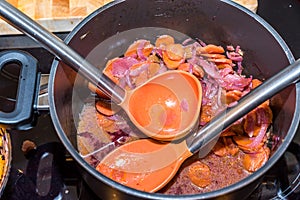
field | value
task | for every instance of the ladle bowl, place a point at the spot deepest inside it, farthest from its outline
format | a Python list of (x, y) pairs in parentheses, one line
[(167, 106)]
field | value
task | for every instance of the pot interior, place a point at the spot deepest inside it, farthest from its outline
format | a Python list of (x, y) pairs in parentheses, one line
[(107, 33)]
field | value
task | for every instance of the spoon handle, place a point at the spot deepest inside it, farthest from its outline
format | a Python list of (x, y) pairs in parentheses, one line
[(56, 46), (210, 132)]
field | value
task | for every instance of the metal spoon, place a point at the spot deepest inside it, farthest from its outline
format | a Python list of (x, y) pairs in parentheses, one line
[(148, 165), (157, 126)]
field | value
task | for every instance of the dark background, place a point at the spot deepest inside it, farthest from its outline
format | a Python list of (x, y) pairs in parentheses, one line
[(284, 16)]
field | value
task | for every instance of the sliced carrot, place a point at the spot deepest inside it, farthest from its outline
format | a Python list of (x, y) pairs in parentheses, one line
[(138, 65), (105, 108), (232, 96), (206, 113), (228, 132), (175, 51), (143, 75), (132, 49), (237, 128), (104, 122), (223, 65), (255, 83), (185, 67), (231, 148), (171, 64), (153, 58), (225, 147), (196, 69), (267, 111), (219, 149), (220, 60), (252, 162), (164, 40), (210, 49), (188, 51), (200, 174), (244, 143), (213, 55)]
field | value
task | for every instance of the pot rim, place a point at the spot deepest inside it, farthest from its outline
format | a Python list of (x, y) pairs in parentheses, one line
[(246, 181)]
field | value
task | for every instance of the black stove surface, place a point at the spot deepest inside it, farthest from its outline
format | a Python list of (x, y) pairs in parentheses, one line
[(48, 172)]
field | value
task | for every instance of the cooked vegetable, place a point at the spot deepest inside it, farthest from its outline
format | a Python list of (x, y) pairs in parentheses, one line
[(240, 150), (200, 174)]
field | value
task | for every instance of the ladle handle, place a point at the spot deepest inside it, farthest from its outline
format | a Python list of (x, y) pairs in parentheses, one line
[(56, 46), (266, 90)]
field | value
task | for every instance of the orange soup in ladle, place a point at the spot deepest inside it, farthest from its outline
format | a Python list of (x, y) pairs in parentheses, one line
[(167, 106)]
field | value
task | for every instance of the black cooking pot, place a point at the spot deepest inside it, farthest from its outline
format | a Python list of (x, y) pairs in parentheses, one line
[(107, 32)]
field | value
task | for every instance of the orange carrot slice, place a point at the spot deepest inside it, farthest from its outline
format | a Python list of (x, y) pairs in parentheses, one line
[(146, 49), (105, 123), (213, 55), (171, 64), (105, 108), (255, 83), (210, 49), (254, 161), (199, 173), (175, 51), (164, 40), (220, 60), (206, 113), (232, 96), (219, 149), (196, 70), (244, 143), (223, 65)]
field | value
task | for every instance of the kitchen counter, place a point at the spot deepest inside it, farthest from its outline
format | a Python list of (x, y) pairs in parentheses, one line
[(54, 15)]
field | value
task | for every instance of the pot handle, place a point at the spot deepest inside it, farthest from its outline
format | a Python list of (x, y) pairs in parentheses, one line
[(23, 116)]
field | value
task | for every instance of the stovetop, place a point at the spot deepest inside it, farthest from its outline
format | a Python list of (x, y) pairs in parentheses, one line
[(44, 170)]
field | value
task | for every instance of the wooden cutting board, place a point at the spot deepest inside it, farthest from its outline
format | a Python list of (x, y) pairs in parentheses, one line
[(64, 15), (51, 9), (55, 15)]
